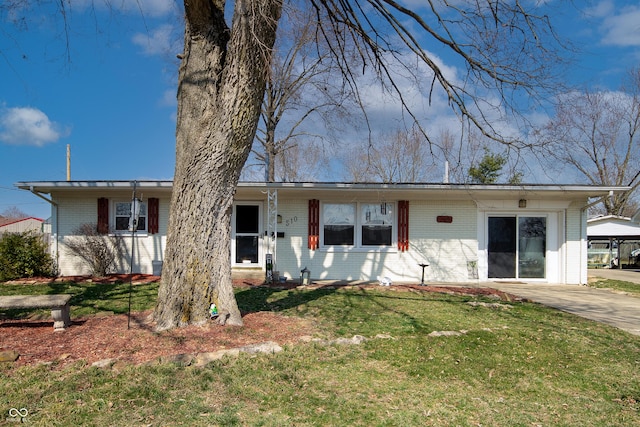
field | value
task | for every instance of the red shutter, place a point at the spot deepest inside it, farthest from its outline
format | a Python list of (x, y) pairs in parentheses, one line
[(403, 225), (314, 224), (103, 216), (153, 208)]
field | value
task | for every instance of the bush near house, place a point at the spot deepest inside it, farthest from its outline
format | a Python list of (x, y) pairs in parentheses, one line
[(24, 255), (101, 252)]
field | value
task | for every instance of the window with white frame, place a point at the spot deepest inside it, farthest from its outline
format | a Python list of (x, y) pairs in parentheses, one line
[(376, 221), (339, 224), (123, 215), (357, 224)]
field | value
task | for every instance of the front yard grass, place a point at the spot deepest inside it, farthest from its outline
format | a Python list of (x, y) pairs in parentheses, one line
[(519, 364), (88, 298), (630, 288)]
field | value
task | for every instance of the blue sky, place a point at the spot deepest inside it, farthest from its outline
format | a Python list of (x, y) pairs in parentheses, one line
[(111, 94)]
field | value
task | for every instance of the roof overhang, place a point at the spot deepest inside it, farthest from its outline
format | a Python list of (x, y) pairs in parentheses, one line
[(287, 190), (48, 187), (431, 191)]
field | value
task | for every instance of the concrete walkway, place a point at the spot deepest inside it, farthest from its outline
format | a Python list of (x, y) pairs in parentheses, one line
[(601, 305)]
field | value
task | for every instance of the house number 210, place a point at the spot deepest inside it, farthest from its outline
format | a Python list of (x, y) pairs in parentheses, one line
[(290, 221)]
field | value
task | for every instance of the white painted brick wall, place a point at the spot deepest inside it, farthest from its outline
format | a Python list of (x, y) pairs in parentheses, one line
[(450, 246), (447, 248), (73, 212)]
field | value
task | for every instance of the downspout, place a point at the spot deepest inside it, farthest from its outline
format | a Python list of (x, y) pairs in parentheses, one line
[(55, 206), (583, 244)]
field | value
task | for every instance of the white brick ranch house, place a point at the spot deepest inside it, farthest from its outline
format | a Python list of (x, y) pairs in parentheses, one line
[(465, 232)]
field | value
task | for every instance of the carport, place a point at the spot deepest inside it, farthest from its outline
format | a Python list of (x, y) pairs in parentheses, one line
[(612, 240)]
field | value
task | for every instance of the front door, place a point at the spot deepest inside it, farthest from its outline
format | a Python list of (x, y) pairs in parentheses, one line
[(247, 232), (517, 247)]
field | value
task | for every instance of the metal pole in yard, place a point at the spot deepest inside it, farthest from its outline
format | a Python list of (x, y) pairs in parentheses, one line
[(133, 227)]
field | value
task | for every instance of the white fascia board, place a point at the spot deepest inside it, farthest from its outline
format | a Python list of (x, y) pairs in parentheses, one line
[(49, 186), (433, 191), (321, 189)]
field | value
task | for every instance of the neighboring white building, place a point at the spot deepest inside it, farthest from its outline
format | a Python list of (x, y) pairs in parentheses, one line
[(21, 225), (611, 226), (465, 232), (613, 238)]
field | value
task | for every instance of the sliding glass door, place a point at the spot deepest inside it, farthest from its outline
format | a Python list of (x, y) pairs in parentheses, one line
[(517, 247), (532, 247)]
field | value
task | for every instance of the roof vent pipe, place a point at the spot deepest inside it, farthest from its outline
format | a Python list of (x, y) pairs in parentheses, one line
[(68, 162), (446, 172)]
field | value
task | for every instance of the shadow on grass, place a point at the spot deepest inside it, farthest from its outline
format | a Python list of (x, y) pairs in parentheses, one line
[(87, 298), (356, 304), (257, 298)]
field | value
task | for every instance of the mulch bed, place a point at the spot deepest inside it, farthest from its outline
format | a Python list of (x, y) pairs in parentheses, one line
[(133, 340)]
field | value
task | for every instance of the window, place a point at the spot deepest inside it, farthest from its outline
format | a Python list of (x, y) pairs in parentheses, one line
[(339, 224), (358, 224), (123, 215), (376, 220)]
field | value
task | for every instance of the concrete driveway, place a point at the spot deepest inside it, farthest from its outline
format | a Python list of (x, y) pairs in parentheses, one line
[(601, 305), (616, 274)]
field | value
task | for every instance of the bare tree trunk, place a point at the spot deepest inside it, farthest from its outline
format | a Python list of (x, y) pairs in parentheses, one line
[(221, 85)]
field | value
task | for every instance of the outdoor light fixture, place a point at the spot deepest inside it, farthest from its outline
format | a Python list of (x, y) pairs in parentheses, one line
[(522, 203), (305, 276)]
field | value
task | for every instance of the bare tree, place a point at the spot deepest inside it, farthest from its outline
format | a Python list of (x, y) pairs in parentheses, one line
[(221, 85), (403, 156), (13, 212), (303, 161), (597, 135), (301, 88), (454, 152), (406, 156)]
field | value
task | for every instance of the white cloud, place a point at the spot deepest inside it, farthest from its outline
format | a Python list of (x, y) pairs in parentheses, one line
[(28, 126), (160, 41), (623, 28), (601, 9)]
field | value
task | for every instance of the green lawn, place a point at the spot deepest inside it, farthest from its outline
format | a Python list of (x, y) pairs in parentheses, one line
[(526, 365), (88, 298), (630, 288)]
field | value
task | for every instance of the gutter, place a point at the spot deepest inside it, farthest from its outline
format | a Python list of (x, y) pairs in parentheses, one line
[(56, 253)]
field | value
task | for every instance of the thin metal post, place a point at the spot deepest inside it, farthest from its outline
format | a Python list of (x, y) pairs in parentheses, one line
[(133, 242), (272, 230)]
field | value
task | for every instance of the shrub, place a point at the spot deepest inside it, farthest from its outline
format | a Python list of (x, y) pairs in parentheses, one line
[(101, 251), (24, 255)]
